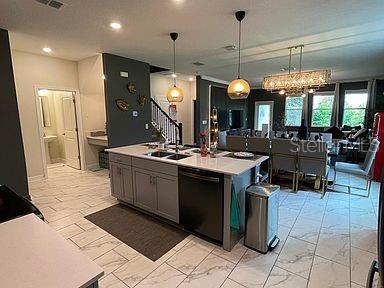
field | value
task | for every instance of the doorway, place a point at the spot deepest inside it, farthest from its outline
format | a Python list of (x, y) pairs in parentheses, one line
[(263, 114), (59, 128)]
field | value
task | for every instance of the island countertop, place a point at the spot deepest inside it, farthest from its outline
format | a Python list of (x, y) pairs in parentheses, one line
[(34, 255), (221, 163)]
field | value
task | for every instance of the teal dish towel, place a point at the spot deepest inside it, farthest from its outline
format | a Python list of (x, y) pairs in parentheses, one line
[(235, 209)]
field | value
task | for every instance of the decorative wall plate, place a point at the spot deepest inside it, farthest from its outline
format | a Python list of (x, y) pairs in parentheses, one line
[(131, 88), (122, 104), (142, 100)]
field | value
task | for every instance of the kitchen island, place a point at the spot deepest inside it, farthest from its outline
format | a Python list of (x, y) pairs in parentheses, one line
[(150, 180)]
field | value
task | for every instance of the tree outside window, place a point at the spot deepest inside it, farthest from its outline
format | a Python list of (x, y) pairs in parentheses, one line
[(293, 110), (355, 105), (322, 105)]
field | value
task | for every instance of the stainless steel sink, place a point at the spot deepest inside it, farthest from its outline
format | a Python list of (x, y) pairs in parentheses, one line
[(160, 154), (178, 156)]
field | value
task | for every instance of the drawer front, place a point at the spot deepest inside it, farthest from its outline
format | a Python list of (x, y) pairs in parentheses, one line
[(156, 166), (118, 158)]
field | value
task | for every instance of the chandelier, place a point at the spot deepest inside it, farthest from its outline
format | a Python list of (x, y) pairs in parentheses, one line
[(297, 83)]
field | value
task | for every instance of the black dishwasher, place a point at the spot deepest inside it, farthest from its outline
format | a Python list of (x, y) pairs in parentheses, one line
[(201, 202)]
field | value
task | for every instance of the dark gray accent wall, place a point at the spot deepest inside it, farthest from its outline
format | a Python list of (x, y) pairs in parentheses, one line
[(123, 128), (263, 95), (202, 104), (379, 105), (13, 172)]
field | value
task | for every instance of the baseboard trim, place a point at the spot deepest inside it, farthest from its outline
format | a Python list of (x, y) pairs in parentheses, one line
[(36, 178)]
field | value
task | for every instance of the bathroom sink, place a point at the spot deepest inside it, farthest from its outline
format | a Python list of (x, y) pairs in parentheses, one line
[(160, 154), (178, 156), (48, 139)]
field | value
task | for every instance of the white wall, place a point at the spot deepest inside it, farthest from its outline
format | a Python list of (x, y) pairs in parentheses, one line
[(91, 88), (159, 86), (30, 71), (33, 71)]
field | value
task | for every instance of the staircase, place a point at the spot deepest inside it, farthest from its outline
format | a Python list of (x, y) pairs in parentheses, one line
[(171, 130)]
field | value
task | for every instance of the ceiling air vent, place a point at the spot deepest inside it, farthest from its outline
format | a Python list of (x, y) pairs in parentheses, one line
[(197, 63), (55, 4), (230, 48), (52, 3)]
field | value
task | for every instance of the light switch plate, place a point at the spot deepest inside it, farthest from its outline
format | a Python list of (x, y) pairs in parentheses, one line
[(124, 74), (204, 122), (146, 126), (135, 113)]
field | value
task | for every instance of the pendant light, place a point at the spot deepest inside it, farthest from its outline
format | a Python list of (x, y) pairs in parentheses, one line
[(239, 88), (174, 94)]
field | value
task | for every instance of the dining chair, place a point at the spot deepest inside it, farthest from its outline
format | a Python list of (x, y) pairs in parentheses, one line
[(284, 157), (236, 143), (261, 146), (312, 158), (363, 170)]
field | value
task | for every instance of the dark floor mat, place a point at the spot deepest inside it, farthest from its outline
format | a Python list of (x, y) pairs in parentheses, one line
[(147, 235)]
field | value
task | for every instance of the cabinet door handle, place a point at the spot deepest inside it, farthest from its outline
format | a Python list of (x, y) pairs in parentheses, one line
[(150, 180)]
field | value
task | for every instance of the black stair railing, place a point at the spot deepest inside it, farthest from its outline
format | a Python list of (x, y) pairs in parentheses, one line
[(172, 131)]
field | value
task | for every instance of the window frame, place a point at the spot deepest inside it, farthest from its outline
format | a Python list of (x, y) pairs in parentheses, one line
[(322, 93), (285, 111), (357, 91), (257, 104)]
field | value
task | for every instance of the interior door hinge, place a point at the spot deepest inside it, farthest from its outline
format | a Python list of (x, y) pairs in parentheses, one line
[(78, 156)]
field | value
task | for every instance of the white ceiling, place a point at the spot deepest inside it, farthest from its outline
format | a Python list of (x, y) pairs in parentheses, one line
[(346, 36)]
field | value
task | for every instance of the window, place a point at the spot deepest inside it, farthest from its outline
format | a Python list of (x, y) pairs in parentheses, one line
[(322, 104), (293, 110), (355, 104)]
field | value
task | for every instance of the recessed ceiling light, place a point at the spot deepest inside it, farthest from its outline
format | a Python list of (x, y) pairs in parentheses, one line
[(47, 50), (190, 79), (174, 75), (115, 25)]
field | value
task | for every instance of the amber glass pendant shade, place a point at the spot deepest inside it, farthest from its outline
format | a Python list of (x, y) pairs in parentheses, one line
[(238, 89), (175, 94)]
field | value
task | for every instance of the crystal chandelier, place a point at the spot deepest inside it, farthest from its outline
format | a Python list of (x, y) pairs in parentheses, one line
[(296, 83)]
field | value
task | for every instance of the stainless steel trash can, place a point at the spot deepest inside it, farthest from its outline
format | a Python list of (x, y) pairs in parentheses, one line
[(261, 217)]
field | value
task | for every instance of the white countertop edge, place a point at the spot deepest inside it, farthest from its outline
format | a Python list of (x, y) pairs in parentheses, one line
[(249, 164)]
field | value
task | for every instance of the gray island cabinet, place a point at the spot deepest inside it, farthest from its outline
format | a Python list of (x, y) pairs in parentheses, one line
[(150, 183)]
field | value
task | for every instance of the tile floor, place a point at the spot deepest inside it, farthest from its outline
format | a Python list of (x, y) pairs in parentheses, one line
[(326, 242)]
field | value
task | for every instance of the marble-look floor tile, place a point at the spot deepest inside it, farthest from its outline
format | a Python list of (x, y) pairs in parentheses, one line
[(100, 246), (210, 273), (190, 256), (282, 234), (253, 269), (367, 219), (360, 262), (280, 278), (336, 223), (66, 221), (163, 277), (287, 217), (126, 251), (88, 236), (306, 229), (296, 257), (138, 268), (70, 231), (110, 261), (234, 255), (334, 246), (228, 283), (85, 224), (111, 281), (183, 242), (364, 238), (328, 274)]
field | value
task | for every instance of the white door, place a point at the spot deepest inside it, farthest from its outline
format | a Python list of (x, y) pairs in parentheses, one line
[(263, 114), (72, 155)]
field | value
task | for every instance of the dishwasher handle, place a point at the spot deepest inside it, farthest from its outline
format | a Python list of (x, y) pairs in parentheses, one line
[(200, 177)]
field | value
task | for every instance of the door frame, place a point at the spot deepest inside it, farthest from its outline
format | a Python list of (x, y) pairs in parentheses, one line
[(80, 133), (255, 120)]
